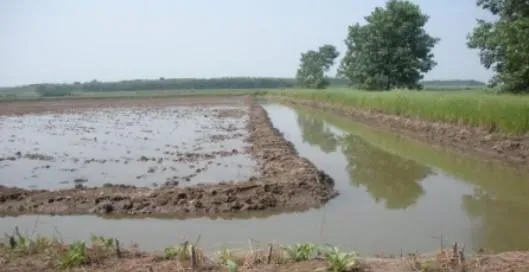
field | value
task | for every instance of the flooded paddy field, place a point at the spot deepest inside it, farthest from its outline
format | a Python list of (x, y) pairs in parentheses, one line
[(395, 195), (135, 146), (151, 160)]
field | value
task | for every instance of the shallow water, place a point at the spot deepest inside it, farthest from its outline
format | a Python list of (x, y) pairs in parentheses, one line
[(120, 145), (396, 195)]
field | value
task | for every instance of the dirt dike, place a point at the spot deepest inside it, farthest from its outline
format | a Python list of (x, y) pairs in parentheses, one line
[(477, 141), (285, 182)]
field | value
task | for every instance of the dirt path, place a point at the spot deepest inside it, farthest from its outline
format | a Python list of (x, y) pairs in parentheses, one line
[(286, 182), (471, 140)]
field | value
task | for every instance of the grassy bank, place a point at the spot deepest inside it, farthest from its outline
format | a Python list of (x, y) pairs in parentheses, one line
[(22, 253), (506, 113)]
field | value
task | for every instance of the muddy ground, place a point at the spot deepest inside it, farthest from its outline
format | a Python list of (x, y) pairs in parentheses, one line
[(468, 140), (284, 182), (142, 146), (68, 105)]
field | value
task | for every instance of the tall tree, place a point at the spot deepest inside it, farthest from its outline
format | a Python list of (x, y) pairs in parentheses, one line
[(503, 44), (314, 64), (392, 50)]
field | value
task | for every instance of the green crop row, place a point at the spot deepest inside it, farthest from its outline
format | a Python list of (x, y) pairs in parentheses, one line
[(502, 112)]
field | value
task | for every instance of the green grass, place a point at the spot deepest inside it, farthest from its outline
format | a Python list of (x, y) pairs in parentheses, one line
[(507, 113)]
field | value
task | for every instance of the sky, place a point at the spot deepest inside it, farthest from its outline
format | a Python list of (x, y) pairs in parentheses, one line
[(65, 41)]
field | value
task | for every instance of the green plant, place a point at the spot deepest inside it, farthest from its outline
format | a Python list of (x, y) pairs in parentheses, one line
[(232, 266), (227, 259), (107, 243), (225, 255), (300, 252), (75, 256), (183, 252), (21, 244), (340, 261)]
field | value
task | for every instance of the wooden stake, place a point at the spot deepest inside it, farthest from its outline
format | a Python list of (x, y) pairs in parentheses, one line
[(118, 251), (269, 258), (193, 257)]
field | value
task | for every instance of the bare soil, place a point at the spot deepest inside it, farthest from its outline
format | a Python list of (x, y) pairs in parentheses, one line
[(469, 140), (286, 182)]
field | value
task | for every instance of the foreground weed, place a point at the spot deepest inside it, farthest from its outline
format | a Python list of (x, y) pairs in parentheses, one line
[(186, 252), (101, 241), (232, 266), (340, 261), (173, 252), (227, 259), (25, 245), (225, 255), (300, 252), (75, 256)]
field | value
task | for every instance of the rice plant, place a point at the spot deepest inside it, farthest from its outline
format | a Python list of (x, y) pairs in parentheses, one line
[(502, 112)]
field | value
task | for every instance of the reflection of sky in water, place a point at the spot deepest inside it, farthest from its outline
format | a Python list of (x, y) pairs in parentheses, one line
[(105, 145), (388, 202)]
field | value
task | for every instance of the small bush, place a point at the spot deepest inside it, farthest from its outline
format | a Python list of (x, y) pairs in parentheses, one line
[(53, 90)]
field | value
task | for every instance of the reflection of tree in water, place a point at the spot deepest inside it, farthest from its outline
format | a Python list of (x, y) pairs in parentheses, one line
[(316, 133), (504, 225), (386, 176)]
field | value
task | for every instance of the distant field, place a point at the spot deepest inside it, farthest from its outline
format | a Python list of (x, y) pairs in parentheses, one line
[(32, 95), (508, 113)]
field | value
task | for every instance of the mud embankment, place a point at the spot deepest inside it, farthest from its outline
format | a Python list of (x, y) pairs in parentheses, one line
[(470, 140), (286, 182), (107, 254)]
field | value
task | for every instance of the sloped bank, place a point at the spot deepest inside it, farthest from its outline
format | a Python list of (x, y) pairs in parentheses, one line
[(106, 254), (286, 182), (471, 140)]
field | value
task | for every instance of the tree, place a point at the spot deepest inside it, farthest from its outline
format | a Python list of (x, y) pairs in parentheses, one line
[(503, 44), (314, 64), (392, 50), (51, 90)]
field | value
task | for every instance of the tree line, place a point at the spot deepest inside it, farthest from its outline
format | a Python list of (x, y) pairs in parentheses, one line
[(51, 89), (393, 50), (164, 84)]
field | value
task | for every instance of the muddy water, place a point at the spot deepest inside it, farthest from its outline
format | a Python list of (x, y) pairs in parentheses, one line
[(139, 146), (396, 195)]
